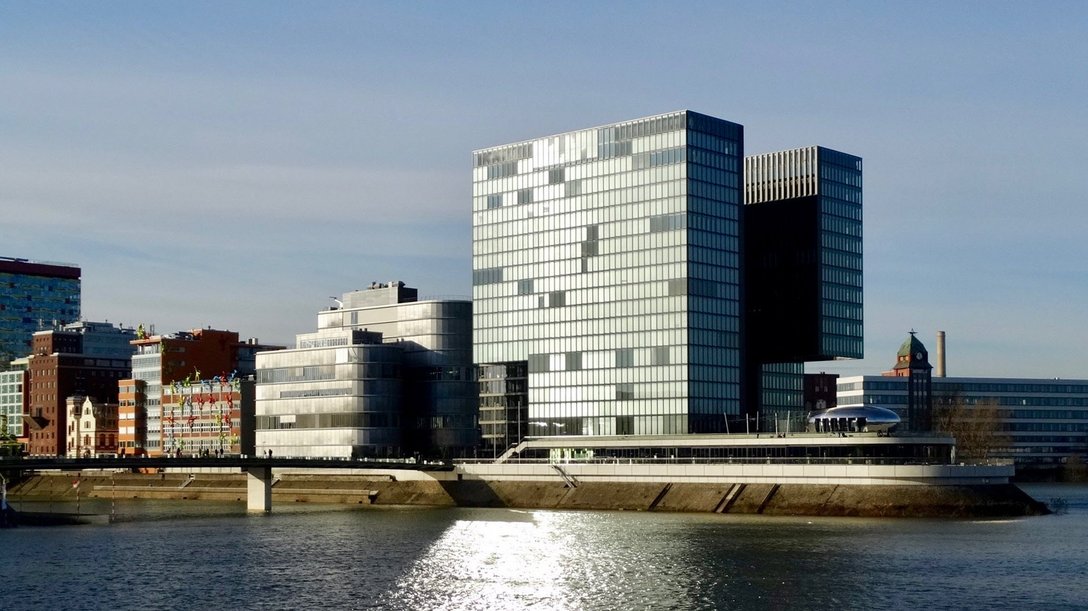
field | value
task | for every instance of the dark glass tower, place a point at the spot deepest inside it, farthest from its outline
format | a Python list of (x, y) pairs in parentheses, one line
[(803, 270)]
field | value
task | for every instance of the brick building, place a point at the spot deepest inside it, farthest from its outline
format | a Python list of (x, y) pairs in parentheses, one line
[(57, 369), (162, 360)]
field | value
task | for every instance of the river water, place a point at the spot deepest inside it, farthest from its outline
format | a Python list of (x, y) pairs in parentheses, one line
[(188, 555)]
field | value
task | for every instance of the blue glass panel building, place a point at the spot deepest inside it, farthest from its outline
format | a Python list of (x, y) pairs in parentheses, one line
[(33, 296)]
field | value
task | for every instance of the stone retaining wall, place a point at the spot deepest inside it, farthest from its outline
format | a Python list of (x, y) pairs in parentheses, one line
[(994, 500)]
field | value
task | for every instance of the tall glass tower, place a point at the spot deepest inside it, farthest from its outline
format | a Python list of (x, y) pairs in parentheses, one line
[(607, 271), (803, 264)]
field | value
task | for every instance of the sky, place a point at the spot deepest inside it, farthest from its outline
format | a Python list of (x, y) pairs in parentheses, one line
[(235, 164)]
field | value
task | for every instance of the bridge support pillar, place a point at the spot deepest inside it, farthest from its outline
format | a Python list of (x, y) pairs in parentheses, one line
[(259, 488)]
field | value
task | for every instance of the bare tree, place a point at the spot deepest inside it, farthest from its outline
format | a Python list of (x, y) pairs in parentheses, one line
[(975, 423)]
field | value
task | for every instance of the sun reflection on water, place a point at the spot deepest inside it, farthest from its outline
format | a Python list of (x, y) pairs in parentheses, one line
[(541, 559)]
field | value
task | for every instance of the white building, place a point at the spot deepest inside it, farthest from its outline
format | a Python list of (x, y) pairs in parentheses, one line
[(384, 375), (92, 428)]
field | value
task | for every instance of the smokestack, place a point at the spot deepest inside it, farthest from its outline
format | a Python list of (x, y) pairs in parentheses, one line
[(940, 354)]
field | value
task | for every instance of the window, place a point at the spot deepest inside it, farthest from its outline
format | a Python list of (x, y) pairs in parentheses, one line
[(625, 392)]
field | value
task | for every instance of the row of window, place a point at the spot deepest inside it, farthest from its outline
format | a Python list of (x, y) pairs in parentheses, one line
[(558, 183), (847, 277), (954, 388), (835, 173), (519, 236), (607, 295), (712, 375), (329, 421), (841, 225), (616, 203), (593, 270)]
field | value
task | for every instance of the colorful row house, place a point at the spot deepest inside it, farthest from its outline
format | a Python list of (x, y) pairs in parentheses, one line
[(208, 416)]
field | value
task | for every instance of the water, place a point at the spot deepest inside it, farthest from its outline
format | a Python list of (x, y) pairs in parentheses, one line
[(175, 555)]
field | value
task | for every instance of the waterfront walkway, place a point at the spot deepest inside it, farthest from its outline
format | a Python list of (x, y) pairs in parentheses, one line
[(258, 470)]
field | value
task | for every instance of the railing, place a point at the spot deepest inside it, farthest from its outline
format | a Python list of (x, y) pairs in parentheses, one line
[(813, 460), (298, 462)]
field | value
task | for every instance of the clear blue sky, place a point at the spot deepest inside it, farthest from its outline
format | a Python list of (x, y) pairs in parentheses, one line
[(233, 164)]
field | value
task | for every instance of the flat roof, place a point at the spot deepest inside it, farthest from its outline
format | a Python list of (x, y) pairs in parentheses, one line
[(48, 269), (729, 441)]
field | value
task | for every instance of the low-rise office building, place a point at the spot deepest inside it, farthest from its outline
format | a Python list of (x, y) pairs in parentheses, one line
[(1039, 421), (1034, 422), (385, 375)]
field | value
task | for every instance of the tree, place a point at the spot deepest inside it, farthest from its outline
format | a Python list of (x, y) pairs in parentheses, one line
[(976, 423), (9, 446)]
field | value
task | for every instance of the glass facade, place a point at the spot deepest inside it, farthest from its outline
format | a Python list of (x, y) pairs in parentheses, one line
[(608, 262), (147, 368), (34, 296), (12, 397), (338, 401), (504, 405), (840, 255), (343, 392), (803, 262)]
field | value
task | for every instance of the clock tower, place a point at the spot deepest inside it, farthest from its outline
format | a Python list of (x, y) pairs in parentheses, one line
[(912, 362)]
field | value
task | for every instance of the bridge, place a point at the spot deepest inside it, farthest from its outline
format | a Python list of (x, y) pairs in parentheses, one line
[(259, 470)]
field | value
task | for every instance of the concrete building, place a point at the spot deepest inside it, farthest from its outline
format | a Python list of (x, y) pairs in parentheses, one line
[(34, 295), (58, 368), (609, 274), (185, 356), (92, 428), (384, 375)]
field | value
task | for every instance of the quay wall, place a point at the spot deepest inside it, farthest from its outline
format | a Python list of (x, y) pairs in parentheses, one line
[(983, 494)]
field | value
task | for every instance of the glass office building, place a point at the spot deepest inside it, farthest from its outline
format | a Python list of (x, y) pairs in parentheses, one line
[(608, 262), (803, 270), (384, 375), (12, 402), (33, 296)]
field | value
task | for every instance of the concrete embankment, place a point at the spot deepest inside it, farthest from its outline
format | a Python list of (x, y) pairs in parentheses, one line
[(960, 501)]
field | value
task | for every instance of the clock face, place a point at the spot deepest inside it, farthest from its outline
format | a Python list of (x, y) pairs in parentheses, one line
[(918, 356)]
